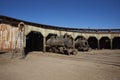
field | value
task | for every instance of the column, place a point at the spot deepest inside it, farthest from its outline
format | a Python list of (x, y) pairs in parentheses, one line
[(111, 43), (73, 43), (44, 44), (98, 44)]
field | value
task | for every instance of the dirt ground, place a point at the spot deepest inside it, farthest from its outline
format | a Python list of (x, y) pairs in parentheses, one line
[(92, 65)]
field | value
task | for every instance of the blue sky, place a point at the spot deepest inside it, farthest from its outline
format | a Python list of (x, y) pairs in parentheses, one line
[(65, 13)]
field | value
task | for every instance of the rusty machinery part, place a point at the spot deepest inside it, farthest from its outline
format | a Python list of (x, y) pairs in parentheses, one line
[(82, 44)]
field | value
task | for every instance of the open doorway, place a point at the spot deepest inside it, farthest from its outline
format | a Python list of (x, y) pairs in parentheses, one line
[(104, 43), (93, 42), (116, 43), (34, 41)]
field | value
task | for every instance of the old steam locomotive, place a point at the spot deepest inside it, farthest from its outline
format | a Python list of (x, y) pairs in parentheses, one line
[(64, 44), (61, 44)]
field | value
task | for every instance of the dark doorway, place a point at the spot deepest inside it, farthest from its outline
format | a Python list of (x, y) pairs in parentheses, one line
[(34, 41), (116, 43), (93, 42), (104, 43)]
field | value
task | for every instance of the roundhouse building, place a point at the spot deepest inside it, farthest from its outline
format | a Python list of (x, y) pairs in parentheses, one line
[(34, 35)]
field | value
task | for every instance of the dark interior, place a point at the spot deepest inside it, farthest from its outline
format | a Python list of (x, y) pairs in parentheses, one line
[(34, 41), (104, 43), (116, 43), (93, 42)]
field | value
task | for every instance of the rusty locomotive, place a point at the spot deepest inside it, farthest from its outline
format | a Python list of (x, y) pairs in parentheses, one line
[(64, 44), (61, 44)]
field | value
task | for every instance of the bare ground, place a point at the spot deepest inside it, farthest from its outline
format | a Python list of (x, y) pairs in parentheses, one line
[(92, 65)]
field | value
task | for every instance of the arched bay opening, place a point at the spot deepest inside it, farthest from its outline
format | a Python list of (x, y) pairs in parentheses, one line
[(79, 37), (116, 43), (49, 36), (81, 43), (93, 42), (50, 40), (104, 43), (34, 41)]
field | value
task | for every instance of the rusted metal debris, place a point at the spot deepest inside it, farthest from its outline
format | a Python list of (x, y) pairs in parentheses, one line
[(7, 37)]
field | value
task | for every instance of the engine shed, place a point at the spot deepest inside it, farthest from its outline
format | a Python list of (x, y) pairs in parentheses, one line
[(35, 35)]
